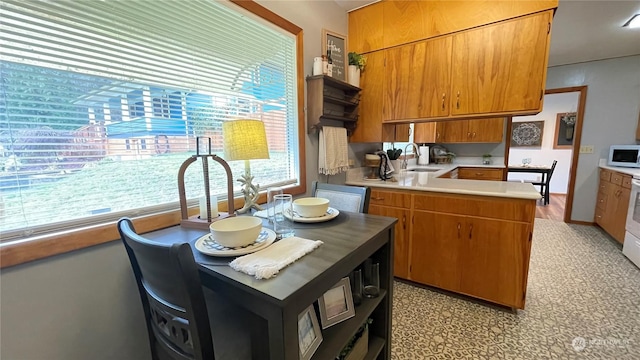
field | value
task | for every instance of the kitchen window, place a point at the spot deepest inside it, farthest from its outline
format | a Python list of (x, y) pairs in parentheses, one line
[(85, 84)]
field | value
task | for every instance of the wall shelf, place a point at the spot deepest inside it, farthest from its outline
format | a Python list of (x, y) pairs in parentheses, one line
[(331, 101)]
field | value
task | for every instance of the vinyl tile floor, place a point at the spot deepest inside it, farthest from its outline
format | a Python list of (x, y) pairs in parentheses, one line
[(583, 302)]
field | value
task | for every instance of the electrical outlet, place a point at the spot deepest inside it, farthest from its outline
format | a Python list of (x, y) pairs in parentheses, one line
[(352, 162), (586, 149)]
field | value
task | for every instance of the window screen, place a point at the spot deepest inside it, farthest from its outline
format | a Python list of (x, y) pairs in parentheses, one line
[(102, 101)]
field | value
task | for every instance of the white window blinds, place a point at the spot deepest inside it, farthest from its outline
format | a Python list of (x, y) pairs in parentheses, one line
[(101, 101)]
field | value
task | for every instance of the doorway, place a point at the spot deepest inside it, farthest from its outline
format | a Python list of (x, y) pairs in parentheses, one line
[(560, 125)]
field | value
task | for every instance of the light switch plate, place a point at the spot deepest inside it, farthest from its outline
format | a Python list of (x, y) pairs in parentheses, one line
[(586, 149)]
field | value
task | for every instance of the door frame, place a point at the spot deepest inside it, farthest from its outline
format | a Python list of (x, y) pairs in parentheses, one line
[(575, 148)]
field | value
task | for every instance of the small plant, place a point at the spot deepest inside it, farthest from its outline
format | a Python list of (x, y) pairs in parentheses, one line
[(394, 154), (358, 60), (486, 155)]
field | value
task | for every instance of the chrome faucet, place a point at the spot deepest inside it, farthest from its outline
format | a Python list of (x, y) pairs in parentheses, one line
[(416, 152)]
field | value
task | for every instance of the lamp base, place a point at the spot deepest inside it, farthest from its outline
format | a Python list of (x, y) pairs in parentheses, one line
[(195, 222), (251, 194)]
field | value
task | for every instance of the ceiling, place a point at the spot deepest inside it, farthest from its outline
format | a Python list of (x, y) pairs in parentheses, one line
[(583, 30)]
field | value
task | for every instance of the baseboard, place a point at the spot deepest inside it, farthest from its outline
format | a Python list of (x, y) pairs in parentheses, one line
[(590, 223)]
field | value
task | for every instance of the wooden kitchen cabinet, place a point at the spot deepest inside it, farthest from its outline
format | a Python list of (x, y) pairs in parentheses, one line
[(365, 29), (460, 131), (477, 173), (418, 80), (471, 245), (501, 68), (397, 205), (370, 126), (474, 245), (612, 203)]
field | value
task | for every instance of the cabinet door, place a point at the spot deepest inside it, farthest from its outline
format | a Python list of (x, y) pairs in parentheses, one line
[(486, 130), (369, 125), (419, 80), (402, 132), (401, 240), (454, 131), (501, 67), (365, 29), (435, 241), (615, 216), (424, 133), (490, 247)]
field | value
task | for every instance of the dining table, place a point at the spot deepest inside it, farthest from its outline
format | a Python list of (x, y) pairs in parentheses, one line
[(349, 240), (544, 170)]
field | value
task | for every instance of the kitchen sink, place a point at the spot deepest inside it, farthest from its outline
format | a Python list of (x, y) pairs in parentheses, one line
[(424, 170)]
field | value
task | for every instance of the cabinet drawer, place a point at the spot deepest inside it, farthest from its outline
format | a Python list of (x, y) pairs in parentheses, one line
[(605, 175), (480, 174), (390, 198), (616, 178), (626, 181), (487, 207)]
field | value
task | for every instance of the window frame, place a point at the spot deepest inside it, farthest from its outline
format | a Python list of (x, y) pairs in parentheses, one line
[(43, 246)]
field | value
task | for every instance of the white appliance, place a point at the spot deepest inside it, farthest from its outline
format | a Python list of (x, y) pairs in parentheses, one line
[(624, 155), (631, 246)]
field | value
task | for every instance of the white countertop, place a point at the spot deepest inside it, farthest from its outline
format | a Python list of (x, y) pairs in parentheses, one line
[(429, 181), (635, 172)]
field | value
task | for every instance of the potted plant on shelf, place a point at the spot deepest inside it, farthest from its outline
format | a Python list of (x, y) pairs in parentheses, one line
[(357, 63), (486, 159)]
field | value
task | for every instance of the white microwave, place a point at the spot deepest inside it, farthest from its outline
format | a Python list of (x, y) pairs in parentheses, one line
[(624, 155)]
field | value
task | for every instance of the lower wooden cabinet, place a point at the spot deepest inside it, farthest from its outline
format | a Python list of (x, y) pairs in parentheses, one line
[(612, 203), (480, 173), (395, 204), (473, 245)]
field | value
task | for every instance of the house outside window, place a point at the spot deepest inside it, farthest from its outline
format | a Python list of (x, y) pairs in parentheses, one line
[(76, 110)]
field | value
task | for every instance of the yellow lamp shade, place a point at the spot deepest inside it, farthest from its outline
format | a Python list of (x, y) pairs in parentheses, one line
[(244, 140)]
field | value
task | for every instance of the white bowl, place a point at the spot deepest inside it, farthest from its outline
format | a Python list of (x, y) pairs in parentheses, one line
[(236, 231), (311, 206)]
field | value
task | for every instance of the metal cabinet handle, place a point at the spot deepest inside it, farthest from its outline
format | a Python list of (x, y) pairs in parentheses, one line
[(474, 134), (458, 100), (404, 221), (437, 135), (468, 134), (459, 226), (470, 230), (377, 198), (443, 97), (478, 174)]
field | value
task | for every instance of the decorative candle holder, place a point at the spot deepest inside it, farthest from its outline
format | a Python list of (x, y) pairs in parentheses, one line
[(195, 221)]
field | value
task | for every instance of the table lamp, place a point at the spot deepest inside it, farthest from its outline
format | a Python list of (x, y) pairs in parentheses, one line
[(246, 140)]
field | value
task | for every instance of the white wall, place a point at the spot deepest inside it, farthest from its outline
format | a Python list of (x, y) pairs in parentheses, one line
[(545, 154), (84, 305), (611, 117)]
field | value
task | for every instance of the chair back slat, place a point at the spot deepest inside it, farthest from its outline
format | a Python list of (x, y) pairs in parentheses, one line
[(343, 197), (171, 294)]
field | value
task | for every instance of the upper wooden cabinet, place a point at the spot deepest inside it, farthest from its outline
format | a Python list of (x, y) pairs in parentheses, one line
[(370, 127), (395, 22), (460, 131), (501, 68), (418, 80), (365, 29)]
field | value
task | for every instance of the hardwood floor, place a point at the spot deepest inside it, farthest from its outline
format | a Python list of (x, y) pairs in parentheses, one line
[(554, 210)]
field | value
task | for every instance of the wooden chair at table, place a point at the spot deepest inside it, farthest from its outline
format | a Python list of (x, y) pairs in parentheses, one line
[(343, 197), (172, 297), (544, 185)]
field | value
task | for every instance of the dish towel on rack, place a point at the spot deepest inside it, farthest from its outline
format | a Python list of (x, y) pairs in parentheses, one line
[(333, 153), (265, 264)]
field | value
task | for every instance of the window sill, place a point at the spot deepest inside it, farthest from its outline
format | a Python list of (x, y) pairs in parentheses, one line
[(30, 249)]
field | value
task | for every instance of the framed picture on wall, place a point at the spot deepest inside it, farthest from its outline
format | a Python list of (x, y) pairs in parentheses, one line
[(338, 45), (565, 126), (527, 133)]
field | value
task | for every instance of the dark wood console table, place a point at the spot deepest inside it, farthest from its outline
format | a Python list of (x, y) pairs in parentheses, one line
[(349, 240)]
